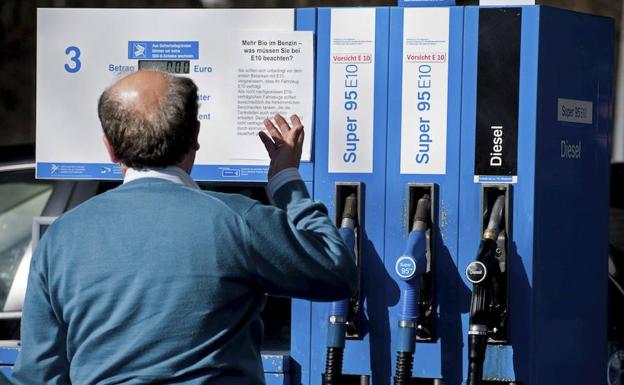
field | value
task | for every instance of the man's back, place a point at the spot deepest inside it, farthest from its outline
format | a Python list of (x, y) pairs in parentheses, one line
[(154, 282)]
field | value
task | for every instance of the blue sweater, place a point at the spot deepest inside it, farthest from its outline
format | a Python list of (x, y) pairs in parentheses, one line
[(154, 282)]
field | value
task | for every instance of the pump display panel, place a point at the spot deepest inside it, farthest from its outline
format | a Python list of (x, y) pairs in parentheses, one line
[(169, 66), (248, 64)]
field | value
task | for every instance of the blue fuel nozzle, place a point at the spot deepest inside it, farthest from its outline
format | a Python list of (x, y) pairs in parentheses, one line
[(410, 267), (339, 310)]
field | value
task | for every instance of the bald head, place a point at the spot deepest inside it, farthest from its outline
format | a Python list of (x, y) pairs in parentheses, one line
[(150, 118), (142, 91)]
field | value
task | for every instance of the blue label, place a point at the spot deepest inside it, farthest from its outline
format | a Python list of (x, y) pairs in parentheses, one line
[(8, 355), (163, 50), (111, 171), (78, 171), (426, 3), (275, 363), (405, 267)]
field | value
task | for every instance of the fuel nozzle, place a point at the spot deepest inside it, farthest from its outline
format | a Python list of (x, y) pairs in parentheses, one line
[(339, 310), (410, 267), (486, 276), (422, 216), (349, 213)]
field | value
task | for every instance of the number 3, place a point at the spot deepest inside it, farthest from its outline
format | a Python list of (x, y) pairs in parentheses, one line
[(75, 59)]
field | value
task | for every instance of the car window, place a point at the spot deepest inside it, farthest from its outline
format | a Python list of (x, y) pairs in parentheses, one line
[(21, 199)]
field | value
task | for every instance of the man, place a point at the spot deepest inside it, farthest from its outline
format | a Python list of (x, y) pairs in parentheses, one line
[(158, 282)]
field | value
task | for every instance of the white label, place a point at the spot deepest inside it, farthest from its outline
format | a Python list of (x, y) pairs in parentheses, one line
[(574, 111), (495, 179), (425, 90), (277, 77), (351, 90), (507, 2), (248, 65)]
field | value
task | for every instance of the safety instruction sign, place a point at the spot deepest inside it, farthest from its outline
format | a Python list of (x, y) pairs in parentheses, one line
[(248, 64), (352, 90), (425, 90)]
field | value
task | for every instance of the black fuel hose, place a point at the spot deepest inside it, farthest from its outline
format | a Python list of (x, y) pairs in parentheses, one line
[(481, 273)]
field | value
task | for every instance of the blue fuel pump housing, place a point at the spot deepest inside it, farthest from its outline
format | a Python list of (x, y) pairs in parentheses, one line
[(525, 69)]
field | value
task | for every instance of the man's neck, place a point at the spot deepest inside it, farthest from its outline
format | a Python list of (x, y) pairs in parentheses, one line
[(172, 173), (123, 168)]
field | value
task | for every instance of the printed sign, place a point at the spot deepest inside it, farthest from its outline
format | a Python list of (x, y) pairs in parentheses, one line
[(247, 63), (351, 90), (496, 142), (425, 3), (425, 90), (163, 50), (507, 2)]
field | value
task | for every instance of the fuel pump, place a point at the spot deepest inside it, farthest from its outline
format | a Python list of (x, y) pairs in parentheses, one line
[(410, 268), (488, 305), (339, 311)]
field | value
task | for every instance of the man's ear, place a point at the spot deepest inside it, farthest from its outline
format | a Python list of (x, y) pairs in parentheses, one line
[(109, 149), (195, 143)]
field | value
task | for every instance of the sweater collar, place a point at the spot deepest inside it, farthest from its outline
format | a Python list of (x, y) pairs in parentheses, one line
[(171, 173)]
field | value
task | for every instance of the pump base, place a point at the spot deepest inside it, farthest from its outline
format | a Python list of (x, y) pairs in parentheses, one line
[(348, 379)]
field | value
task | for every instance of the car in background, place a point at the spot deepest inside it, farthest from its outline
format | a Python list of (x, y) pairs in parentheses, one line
[(23, 198)]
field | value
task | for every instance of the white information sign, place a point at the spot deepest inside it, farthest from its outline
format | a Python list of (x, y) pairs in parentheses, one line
[(352, 90), (507, 2), (248, 64), (425, 90)]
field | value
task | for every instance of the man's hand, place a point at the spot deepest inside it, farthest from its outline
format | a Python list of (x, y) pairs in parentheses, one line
[(284, 144)]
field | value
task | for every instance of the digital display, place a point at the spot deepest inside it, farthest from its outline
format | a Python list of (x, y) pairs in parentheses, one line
[(170, 66)]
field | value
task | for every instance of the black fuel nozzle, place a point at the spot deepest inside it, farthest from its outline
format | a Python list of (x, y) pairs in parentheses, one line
[(486, 276)]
